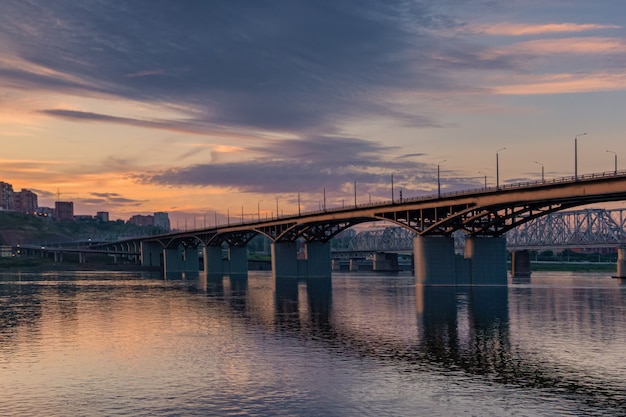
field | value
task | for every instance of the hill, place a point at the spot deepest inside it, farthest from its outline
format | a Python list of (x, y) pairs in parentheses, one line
[(19, 228)]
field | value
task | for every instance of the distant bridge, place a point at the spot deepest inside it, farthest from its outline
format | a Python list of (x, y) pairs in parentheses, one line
[(588, 228)]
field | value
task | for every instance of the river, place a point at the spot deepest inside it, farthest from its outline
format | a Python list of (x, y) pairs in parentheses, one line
[(367, 344)]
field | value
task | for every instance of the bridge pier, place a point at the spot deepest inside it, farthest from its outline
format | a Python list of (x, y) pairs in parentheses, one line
[(213, 264), (284, 259), (181, 259), (484, 262), (318, 259), (434, 260), (621, 262), (237, 260), (520, 263), (384, 261), (151, 253), (487, 257), (336, 265), (354, 264)]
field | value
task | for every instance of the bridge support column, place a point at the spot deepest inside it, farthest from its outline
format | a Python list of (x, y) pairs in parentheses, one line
[(520, 263), (434, 260), (487, 257), (191, 259), (318, 259), (621, 262), (173, 260), (213, 260), (385, 261), (151, 253), (354, 264), (284, 259), (238, 259), (336, 265)]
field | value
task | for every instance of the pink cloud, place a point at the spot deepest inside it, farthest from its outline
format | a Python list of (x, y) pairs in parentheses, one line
[(518, 29)]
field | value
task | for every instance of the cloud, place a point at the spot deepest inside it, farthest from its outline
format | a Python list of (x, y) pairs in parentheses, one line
[(297, 66), (310, 165), (521, 29)]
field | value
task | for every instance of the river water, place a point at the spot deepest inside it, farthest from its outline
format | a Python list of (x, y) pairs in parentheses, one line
[(128, 344)]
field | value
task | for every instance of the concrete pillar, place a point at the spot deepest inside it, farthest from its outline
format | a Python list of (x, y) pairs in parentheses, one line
[(212, 260), (520, 263), (151, 253), (385, 261), (173, 260), (284, 259), (621, 262), (336, 265), (81, 257), (354, 264), (434, 260), (487, 257), (238, 258), (318, 259), (191, 259)]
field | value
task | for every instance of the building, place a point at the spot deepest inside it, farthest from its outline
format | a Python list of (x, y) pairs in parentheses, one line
[(25, 202), (6, 196), (103, 216), (141, 220), (162, 220), (64, 211)]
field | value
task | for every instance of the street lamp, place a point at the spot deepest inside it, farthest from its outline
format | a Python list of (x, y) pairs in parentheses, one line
[(354, 193), (480, 172), (614, 153), (498, 168), (542, 177), (439, 179), (576, 155)]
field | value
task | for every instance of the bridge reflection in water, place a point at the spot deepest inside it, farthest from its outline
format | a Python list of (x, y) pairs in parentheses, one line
[(465, 329)]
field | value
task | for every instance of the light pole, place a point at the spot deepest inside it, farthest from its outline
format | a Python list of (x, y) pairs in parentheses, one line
[(576, 155), (354, 193), (542, 177), (485, 178), (614, 153), (298, 204), (439, 179), (498, 168)]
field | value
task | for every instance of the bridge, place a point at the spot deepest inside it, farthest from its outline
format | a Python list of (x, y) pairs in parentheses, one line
[(584, 228), (483, 215)]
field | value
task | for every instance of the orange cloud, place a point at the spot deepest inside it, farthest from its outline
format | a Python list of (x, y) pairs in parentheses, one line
[(565, 83), (578, 45), (518, 29)]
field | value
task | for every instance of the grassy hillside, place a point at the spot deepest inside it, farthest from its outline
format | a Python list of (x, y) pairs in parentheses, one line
[(19, 228)]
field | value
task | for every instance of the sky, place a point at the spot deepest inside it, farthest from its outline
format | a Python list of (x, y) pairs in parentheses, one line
[(204, 109)]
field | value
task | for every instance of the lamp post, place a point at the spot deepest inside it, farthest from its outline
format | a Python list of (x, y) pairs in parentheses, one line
[(615, 154), (576, 155), (542, 177), (298, 204), (354, 193), (498, 168), (485, 178), (439, 179)]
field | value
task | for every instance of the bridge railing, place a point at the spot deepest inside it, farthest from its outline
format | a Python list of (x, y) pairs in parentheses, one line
[(435, 196)]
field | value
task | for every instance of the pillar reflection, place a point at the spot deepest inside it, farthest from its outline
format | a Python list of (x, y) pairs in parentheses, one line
[(467, 326)]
